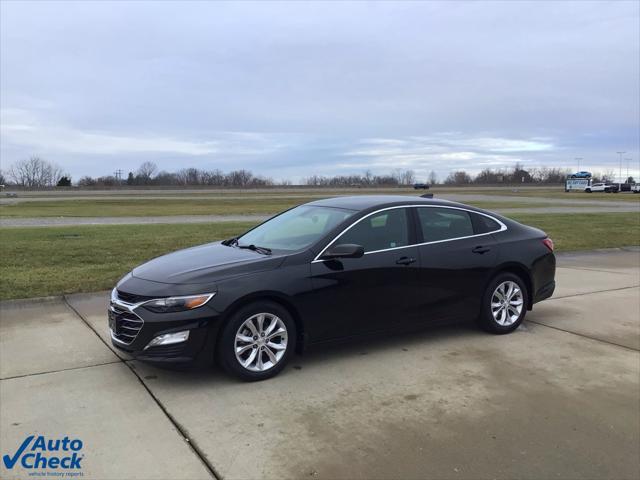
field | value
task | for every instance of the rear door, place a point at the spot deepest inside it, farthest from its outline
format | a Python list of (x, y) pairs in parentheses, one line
[(456, 259), (375, 292)]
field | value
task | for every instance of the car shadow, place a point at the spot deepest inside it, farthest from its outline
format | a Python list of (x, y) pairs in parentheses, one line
[(195, 374)]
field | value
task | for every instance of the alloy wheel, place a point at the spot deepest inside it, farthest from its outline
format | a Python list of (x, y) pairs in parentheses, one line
[(507, 302), (261, 342)]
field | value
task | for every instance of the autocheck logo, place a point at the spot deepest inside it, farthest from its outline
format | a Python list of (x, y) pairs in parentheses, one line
[(40, 453)]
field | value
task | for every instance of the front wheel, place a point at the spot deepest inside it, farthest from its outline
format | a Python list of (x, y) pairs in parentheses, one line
[(504, 304), (257, 341)]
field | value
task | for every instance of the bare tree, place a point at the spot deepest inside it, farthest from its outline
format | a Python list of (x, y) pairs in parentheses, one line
[(146, 172), (408, 177), (433, 178), (404, 177), (608, 176), (458, 178), (239, 178), (35, 172), (213, 177), (190, 176)]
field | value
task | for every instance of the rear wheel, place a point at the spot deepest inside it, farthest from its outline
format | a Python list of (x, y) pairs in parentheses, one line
[(257, 341), (504, 304)]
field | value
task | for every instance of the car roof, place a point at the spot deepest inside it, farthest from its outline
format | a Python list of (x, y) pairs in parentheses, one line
[(364, 202)]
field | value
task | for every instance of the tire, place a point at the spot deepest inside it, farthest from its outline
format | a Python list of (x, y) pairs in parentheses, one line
[(588, 190), (503, 323), (237, 334)]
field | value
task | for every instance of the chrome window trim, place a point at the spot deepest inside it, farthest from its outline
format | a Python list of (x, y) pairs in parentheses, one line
[(503, 227)]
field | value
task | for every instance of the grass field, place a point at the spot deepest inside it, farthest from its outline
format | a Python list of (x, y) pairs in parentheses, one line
[(132, 207), (52, 261), (150, 207), (541, 192)]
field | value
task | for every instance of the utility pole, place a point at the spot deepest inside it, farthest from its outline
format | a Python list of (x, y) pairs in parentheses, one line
[(578, 160), (620, 169), (118, 175), (628, 160)]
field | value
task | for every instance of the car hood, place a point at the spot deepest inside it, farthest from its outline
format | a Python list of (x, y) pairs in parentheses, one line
[(205, 264)]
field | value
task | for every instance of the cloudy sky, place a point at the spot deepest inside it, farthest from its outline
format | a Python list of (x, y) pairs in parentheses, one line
[(294, 89)]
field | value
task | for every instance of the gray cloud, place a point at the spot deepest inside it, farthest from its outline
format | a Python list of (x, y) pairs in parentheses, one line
[(293, 89)]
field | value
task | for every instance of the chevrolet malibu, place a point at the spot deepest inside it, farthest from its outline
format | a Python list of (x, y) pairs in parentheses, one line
[(329, 270)]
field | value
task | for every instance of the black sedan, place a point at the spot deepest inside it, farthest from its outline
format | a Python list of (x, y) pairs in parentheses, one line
[(328, 270)]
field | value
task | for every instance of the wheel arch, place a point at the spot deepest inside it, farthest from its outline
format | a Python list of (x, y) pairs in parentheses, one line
[(522, 272), (270, 296)]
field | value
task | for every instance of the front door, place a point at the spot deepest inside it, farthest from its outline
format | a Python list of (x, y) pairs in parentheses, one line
[(373, 293)]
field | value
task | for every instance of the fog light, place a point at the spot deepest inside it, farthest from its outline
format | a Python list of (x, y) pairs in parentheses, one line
[(169, 339)]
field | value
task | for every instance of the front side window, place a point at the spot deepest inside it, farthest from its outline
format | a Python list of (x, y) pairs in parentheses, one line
[(444, 223), (380, 231), (296, 229)]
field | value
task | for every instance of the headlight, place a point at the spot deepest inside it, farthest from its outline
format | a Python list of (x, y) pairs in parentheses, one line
[(178, 304)]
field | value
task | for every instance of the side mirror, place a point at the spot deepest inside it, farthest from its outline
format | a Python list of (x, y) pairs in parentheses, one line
[(344, 250)]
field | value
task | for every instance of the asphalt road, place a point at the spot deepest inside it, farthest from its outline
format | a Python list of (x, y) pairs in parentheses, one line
[(558, 398)]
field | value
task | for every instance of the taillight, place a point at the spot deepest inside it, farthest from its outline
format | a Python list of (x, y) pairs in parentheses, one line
[(548, 243)]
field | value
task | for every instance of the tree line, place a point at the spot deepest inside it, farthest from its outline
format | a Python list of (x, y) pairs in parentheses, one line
[(516, 174), (36, 172), (397, 178), (148, 175)]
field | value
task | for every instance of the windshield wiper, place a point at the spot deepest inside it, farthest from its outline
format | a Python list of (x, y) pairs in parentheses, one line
[(229, 242), (263, 250)]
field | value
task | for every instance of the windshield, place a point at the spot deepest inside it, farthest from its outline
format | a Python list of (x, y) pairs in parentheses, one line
[(295, 229)]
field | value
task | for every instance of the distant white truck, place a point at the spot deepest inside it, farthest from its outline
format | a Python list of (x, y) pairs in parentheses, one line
[(596, 187), (602, 187), (635, 188)]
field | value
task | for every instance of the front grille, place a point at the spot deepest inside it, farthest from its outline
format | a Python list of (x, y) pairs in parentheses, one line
[(124, 324), (132, 298)]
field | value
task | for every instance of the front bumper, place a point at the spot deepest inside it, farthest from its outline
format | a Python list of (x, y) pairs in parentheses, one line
[(133, 327)]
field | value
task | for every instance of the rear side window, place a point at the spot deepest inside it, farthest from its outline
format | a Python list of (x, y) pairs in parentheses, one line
[(484, 224), (380, 231), (444, 223)]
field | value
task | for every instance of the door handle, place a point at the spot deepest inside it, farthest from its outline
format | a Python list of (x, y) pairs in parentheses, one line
[(405, 261), (480, 249)]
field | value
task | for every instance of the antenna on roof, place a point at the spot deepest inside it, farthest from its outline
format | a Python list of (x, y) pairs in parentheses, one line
[(427, 195)]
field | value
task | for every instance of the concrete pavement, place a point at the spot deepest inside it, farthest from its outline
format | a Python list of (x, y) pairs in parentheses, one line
[(558, 398)]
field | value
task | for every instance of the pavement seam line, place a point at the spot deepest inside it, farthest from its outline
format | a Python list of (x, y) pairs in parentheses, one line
[(192, 445), (585, 336), (596, 270), (590, 293), (57, 371)]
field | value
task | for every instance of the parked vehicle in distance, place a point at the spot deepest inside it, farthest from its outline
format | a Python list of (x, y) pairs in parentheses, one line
[(602, 187), (596, 187), (580, 175), (635, 188), (328, 270), (420, 186)]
